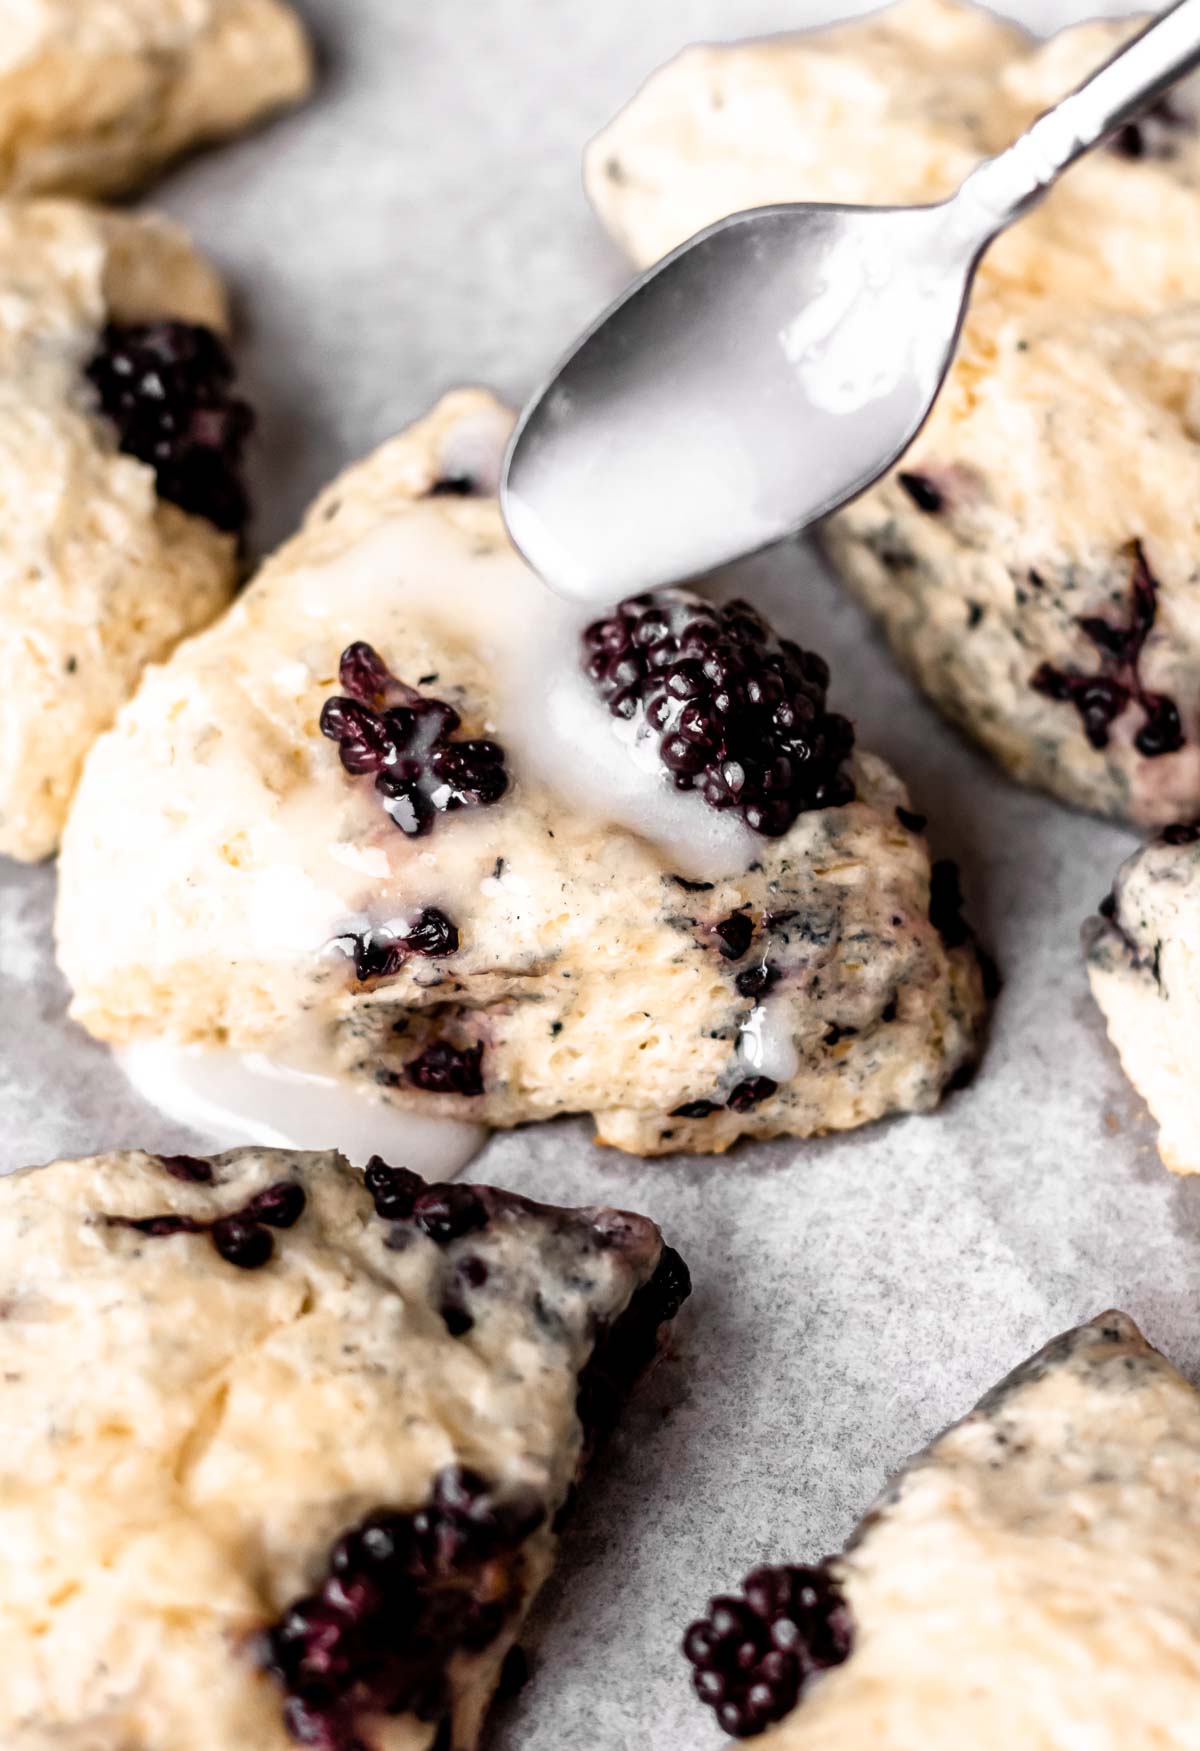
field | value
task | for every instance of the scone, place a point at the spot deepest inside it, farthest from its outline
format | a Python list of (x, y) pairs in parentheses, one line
[(285, 1445), (1032, 1579), (1143, 960), (381, 822), (96, 95), (1033, 558), (120, 497)]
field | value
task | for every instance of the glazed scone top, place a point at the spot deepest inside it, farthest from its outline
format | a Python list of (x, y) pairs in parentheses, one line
[(588, 966), (185, 1440), (97, 94), (98, 575), (1033, 1579)]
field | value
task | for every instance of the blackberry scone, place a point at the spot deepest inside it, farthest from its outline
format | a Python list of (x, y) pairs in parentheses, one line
[(120, 445), (404, 818), (1143, 960), (96, 95), (285, 1444), (1033, 558), (1031, 1579)]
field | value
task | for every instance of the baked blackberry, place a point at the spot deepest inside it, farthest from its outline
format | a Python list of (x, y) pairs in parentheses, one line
[(752, 1656), (243, 1237), (403, 1593), (380, 953), (407, 742), (167, 388), (1101, 699), (739, 714)]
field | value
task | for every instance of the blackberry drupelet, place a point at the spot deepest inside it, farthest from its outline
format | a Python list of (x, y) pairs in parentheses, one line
[(739, 714), (406, 741), (753, 1656), (166, 387), (625, 1349)]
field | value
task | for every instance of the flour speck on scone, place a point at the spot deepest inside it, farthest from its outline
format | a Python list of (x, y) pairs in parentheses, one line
[(121, 442), (293, 1442), (1032, 1578), (1032, 559), (479, 855)]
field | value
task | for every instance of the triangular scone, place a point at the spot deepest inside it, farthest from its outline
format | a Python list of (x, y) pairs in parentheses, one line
[(96, 95), (102, 569), (1033, 569), (284, 1446), (1143, 960), (227, 881), (1032, 1579)]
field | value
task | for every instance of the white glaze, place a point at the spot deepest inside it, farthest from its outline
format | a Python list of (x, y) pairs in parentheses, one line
[(765, 1043), (234, 1098)]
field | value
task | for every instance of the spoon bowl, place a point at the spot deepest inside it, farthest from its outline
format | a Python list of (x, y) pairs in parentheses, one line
[(773, 366)]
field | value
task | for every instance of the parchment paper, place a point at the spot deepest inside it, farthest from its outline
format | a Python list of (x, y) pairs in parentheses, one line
[(421, 224)]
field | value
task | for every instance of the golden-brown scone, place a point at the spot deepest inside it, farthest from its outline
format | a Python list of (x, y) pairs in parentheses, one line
[(96, 95), (100, 573)]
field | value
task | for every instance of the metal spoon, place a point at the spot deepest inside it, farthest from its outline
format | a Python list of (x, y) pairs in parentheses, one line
[(782, 360)]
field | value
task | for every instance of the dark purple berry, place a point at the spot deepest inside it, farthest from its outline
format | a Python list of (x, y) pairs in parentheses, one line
[(166, 387), (445, 1069), (459, 486), (625, 1349), (447, 1212), (242, 1242), (188, 1168), (385, 728), (911, 822), (923, 492), (751, 1093), (280, 1206), (739, 714), (752, 1657), (946, 904), (394, 1190), (380, 955), (694, 1109), (735, 934), (1181, 833), (1101, 699), (757, 981)]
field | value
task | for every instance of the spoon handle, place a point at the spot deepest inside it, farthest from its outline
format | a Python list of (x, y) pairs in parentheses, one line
[(1005, 187)]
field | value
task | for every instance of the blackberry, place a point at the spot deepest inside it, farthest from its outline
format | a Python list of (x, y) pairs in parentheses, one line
[(751, 1093), (924, 493), (752, 1657), (757, 981), (625, 1349), (394, 1190), (1181, 833), (735, 934), (910, 820), (946, 904), (243, 1237), (1101, 699), (739, 714), (405, 740), (445, 1069), (447, 1212), (1154, 134), (188, 1168), (166, 387), (379, 954), (403, 1593), (694, 1109)]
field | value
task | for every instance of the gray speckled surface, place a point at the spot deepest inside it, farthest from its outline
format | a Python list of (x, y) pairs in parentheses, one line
[(422, 223)]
